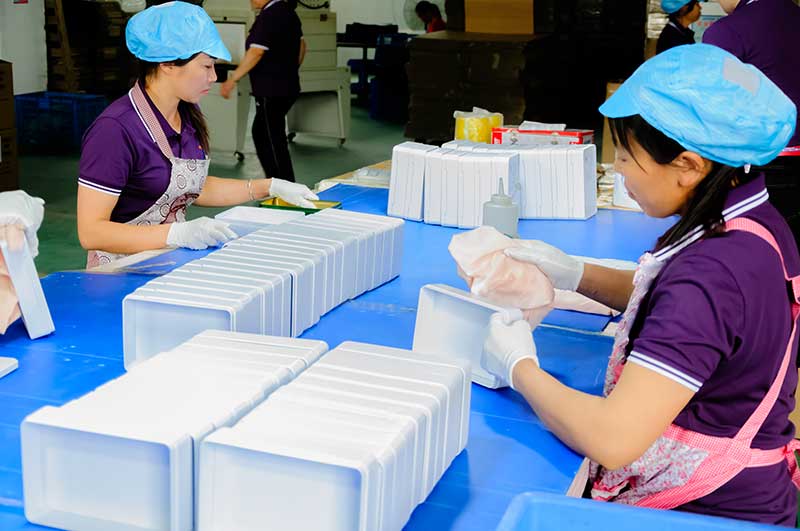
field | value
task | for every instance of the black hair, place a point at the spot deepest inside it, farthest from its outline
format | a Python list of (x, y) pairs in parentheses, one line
[(424, 7), (683, 11), (190, 110), (708, 198)]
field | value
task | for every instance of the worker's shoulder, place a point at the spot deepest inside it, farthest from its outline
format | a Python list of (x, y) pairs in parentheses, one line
[(116, 119), (121, 110)]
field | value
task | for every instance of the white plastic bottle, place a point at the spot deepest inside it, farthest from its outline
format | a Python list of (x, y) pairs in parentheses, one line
[(501, 213)]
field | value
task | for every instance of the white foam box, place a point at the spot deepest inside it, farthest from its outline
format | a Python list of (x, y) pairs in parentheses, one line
[(28, 287), (258, 215), (122, 457), (331, 260), (393, 244), (302, 274), (155, 320), (379, 242), (407, 181), (279, 282), (344, 256), (434, 182), (453, 323), (452, 181)]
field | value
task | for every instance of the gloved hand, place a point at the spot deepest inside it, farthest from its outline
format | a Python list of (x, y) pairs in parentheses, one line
[(294, 193), (564, 271), (199, 234), (18, 208), (507, 345)]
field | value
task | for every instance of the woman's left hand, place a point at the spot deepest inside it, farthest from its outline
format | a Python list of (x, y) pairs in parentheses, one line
[(506, 345), (294, 193), (227, 87)]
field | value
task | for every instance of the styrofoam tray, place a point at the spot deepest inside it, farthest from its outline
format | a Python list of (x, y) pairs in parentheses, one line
[(7, 366), (238, 470), (258, 215), (28, 287), (454, 323)]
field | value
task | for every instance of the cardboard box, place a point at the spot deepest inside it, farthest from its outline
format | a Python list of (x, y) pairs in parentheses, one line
[(9, 165), (6, 96), (512, 135), (607, 156), (485, 16)]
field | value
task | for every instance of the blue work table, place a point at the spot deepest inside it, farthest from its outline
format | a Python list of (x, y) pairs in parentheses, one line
[(509, 450)]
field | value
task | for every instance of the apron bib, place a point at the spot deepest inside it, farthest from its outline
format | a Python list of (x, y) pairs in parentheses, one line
[(682, 465), (186, 180)]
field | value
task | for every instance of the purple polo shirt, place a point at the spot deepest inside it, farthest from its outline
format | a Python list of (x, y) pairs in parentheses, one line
[(765, 34), (717, 320), (119, 157), (277, 30)]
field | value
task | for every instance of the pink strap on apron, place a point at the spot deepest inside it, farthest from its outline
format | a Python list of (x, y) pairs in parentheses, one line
[(732, 455), (150, 121)]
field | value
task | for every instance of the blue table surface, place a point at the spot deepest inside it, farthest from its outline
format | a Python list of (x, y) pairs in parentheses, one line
[(509, 450)]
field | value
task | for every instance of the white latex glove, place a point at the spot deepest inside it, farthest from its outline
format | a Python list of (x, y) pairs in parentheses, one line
[(564, 271), (507, 345), (18, 208), (294, 193), (199, 233)]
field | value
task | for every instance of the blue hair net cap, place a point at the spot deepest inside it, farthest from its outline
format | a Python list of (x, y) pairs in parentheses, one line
[(709, 102), (172, 31), (672, 6)]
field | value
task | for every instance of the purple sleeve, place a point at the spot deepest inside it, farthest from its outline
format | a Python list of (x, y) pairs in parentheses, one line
[(694, 313), (261, 34), (106, 157), (721, 35)]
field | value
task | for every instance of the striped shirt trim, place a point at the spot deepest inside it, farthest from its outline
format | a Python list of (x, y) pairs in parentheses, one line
[(729, 213), (99, 188), (665, 370), (261, 46)]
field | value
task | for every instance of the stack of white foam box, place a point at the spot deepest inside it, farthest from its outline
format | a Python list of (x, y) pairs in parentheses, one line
[(447, 186), (557, 182), (278, 281), (355, 443), (125, 455)]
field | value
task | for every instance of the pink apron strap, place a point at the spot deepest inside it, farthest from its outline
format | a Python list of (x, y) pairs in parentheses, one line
[(150, 121), (757, 418)]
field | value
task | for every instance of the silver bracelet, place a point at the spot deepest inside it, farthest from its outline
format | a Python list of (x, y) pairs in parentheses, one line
[(250, 189)]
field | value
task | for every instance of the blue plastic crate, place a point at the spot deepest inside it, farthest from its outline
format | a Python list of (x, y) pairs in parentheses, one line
[(535, 511), (54, 122)]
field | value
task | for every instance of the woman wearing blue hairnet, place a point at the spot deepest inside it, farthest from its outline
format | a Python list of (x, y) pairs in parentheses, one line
[(145, 159), (682, 14), (701, 379)]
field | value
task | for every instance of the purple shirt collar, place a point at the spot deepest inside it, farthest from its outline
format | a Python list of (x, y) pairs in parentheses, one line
[(740, 200)]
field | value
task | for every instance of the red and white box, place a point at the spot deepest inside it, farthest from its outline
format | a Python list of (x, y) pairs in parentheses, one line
[(513, 135)]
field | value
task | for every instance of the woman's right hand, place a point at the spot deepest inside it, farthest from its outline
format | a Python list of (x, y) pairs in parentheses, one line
[(564, 271), (199, 233)]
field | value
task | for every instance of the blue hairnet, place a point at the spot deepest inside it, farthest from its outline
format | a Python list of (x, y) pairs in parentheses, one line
[(672, 6), (709, 102), (172, 31)]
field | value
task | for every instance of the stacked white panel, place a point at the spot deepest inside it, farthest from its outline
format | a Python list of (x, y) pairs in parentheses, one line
[(278, 280), (407, 180), (125, 456), (557, 182), (356, 442)]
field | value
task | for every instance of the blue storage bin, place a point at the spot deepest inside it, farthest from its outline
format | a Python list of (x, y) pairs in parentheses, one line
[(535, 511), (54, 122)]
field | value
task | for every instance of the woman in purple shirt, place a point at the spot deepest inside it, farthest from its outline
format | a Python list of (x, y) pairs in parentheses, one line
[(701, 379), (144, 160)]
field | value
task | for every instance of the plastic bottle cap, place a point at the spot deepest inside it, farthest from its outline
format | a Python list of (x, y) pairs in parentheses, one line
[(500, 197)]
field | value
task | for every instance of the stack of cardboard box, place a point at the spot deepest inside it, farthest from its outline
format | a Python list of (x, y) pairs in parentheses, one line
[(9, 166)]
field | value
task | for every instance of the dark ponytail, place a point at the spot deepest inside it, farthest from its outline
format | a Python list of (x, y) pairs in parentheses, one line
[(187, 109), (707, 202)]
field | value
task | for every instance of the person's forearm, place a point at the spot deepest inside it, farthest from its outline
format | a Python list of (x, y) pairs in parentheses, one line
[(303, 49), (112, 237), (612, 287), (219, 192), (250, 60), (580, 420)]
